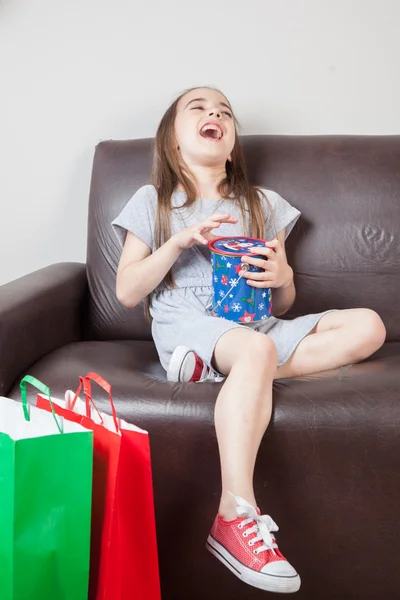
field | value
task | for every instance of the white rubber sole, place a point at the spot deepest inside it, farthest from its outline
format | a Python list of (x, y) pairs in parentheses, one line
[(263, 581), (176, 363)]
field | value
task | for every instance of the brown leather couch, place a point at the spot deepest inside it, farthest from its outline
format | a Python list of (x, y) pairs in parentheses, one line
[(328, 469)]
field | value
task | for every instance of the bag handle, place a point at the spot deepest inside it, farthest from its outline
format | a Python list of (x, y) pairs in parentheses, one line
[(42, 388), (88, 401), (87, 389)]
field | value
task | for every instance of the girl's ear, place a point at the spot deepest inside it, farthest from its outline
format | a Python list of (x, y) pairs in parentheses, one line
[(230, 158)]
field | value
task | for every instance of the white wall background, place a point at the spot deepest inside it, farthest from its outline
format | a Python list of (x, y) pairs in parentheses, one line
[(75, 72)]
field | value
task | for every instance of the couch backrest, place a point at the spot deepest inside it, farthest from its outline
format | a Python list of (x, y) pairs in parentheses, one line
[(344, 250)]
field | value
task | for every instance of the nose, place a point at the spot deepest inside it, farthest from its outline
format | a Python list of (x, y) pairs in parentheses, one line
[(215, 112)]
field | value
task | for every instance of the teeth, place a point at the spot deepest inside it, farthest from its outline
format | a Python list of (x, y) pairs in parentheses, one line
[(212, 126)]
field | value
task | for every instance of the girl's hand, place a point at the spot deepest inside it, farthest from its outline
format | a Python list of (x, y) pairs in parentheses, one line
[(276, 271), (200, 233)]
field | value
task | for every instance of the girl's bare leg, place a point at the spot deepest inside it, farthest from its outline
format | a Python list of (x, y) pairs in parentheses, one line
[(243, 409), (340, 338), (244, 404)]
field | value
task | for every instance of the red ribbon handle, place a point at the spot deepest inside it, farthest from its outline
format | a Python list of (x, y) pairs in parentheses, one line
[(87, 389), (88, 401)]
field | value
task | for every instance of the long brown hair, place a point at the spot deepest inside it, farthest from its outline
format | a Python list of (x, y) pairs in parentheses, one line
[(169, 171)]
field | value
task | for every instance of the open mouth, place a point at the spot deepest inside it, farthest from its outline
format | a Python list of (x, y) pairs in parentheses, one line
[(211, 132)]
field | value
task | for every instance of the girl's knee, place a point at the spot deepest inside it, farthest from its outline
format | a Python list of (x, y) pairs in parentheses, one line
[(239, 345), (261, 349), (372, 331)]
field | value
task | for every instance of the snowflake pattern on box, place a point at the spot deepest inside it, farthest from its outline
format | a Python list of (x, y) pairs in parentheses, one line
[(233, 298)]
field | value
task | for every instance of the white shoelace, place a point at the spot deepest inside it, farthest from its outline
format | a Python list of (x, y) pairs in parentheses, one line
[(263, 525), (210, 374)]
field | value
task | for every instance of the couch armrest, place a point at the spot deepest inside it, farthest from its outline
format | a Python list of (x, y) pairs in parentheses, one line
[(39, 313)]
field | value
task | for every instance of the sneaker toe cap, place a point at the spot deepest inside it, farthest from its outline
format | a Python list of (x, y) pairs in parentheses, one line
[(279, 568)]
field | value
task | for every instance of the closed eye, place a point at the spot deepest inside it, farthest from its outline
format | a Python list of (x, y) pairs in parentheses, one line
[(224, 112)]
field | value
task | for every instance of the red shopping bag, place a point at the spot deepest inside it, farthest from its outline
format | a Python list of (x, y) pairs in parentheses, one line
[(124, 562)]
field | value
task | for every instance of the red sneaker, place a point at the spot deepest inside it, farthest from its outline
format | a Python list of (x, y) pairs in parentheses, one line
[(247, 547), (186, 366)]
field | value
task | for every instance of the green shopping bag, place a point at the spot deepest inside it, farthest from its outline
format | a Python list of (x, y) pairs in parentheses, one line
[(45, 502)]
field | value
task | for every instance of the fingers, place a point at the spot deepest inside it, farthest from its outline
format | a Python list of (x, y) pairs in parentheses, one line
[(210, 236), (273, 243), (214, 221), (268, 252), (261, 284), (223, 218), (208, 225), (256, 262), (199, 238), (258, 276), (259, 279)]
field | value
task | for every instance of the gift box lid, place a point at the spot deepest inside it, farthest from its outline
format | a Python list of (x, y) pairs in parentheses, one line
[(235, 245)]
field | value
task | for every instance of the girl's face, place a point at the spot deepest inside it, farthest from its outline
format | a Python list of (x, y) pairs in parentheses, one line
[(204, 128)]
